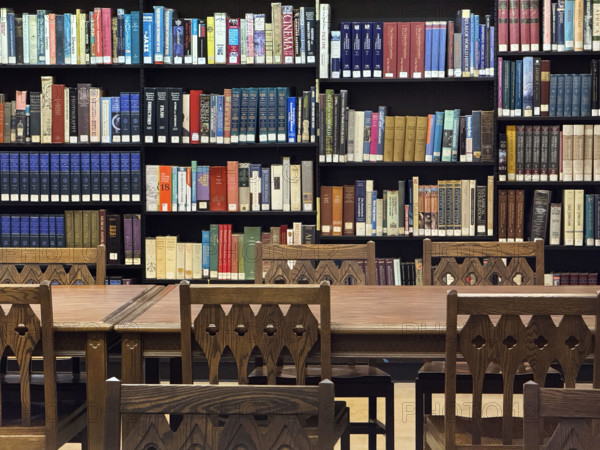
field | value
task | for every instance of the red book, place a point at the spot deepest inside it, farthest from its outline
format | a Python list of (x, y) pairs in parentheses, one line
[(227, 116), (233, 46), (218, 188), (229, 256), (513, 24), (390, 38), (98, 35), (534, 25), (106, 36), (283, 235), (234, 256), (502, 25), (524, 24), (450, 50), (164, 188), (417, 49), (58, 113), (52, 37), (374, 134), (545, 88), (2, 122), (287, 33), (221, 273), (195, 116), (404, 50), (233, 169)]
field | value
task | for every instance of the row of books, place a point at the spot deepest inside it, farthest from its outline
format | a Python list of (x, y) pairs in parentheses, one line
[(431, 49), (527, 88), (239, 115), (545, 153), (61, 114), (235, 187), (72, 176), (566, 25), (395, 272), (570, 278), (94, 37), (290, 37), (376, 136), (450, 208), (221, 254)]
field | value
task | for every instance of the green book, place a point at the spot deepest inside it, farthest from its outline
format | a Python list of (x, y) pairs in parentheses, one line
[(447, 135), (214, 251), (251, 236), (241, 265), (329, 96)]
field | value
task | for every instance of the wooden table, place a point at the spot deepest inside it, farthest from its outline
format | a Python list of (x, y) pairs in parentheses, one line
[(83, 316), (367, 321)]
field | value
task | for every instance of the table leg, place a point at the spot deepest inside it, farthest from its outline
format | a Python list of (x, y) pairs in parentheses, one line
[(96, 365), (132, 361)]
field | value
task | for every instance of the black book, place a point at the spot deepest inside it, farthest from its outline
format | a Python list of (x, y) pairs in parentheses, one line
[(311, 34), (60, 39), (520, 150), (544, 152), (537, 149), (149, 115), (202, 47), (114, 244), (83, 112), (343, 122), (175, 114), (72, 116), (462, 138), (537, 85), (540, 213), (594, 101), (19, 39), (502, 146), (336, 126), (528, 160), (115, 118), (554, 153), (481, 212), (162, 115)]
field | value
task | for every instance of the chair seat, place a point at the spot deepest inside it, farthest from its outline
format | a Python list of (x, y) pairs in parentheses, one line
[(341, 374)]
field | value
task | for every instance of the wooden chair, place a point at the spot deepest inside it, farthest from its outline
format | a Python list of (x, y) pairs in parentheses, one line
[(360, 381), (224, 417), (508, 341), (573, 408), (23, 331), (472, 271), (54, 259)]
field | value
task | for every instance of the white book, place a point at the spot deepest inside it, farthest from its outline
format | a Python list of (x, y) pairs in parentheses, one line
[(596, 150), (46, 109), (397, 272), (295, 188), (567, 162), (180, 258), (171, 257), (324, 24), (285, 181), (32, 39), (3, 36), (74, 47), (579, 217), (359, 129), (194, 44), (150, 258), (568, 216), (578, 151), (185, 109), (220, 38), (255, 188), (276, 187), (243, 42), (25, 18), (336, 54), (368, 209), (472, 206), (302, 37), (379, 217), (249, 38), (105, 105), (596, 27), (188, 272), (152, 188), (588, 153)]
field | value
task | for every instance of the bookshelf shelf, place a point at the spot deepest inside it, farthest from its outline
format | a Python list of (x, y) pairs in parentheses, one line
[(407, 80), (407, 164), (228, 66), (231, 213), (552, 120), (549, 54)]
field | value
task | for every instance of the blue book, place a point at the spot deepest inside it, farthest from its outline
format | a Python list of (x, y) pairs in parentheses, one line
[(367, 49), (65, 176), (381, 132), (194, 182), (357, 49), (586, 94), (10, 31), (442, 50), (491, 48), (115, 119), (569, 25), (263, 115), (134, 106), (115, 177), (85, 178), (44, 231), (205, 253), (24, 232), (136, 177), (220, 112), (282, 94), (168, 36), (474, 35), (468, 138), (148, 38), (5, 230), (59, 33), (60, 231), (159, 34), (34, 231), (55, 177), (360, 206), (374, 212), (34, 176), (377, 49), (476, 132), (194, 58), (590, 213), (24, 176), (125, 117), (52, 230), (4, 177), (482, 50), (15, 231), (430, 138), (75, 177), (367, 136), (410, 208), (252, 114), (568, 95), (235, 115), (553, 94), (455, 136), (291, 110), (178, 42), (174, 190), (527, 86), (560, 95), (576, 99), (265, 188), (14, 176), (435, 49), (428, 48), (104, 176), (125, 174), (41, 26), (560, 25), (135, 38), (243, 116), (95, 179), (127, 37), (518, 91), (67, 34), (439, 131), (465, 44)]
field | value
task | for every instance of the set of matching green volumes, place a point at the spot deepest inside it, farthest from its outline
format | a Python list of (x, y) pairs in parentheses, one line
[(449, 208), (290, 37), (559, 25), (261, 115), (59, 114), (527, 88), (549, 153), (95, 37)]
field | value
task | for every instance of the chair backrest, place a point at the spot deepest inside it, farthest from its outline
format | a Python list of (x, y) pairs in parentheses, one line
[(224, 417), (22, 331), (573, 408), (349, 272), (244, 328), (508, 342), (494, 271), (54, 259)]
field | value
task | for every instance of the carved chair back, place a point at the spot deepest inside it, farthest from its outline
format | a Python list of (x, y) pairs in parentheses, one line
[(256, 319), (54, 259), (492, 271), (508, 330), (303, 271)]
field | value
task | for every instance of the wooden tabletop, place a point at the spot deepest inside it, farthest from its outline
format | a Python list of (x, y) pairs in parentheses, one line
[(363, 309)]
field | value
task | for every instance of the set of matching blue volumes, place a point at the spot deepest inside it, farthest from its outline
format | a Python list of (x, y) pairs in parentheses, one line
[(527, 88), (70, 176), (432, 49), (238, 116), (290, 37), (46, 230), (95, 37)]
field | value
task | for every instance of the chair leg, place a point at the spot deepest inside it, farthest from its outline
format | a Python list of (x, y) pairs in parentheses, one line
[(389, 418), (345, 440), (372, 420), (419, 415)]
